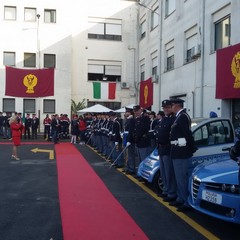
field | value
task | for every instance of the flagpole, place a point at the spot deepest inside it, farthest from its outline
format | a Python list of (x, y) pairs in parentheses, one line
[(39, 66)]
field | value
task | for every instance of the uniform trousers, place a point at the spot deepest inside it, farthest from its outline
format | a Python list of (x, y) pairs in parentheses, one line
[(131, 158), (181, 170), (105, 144), (168, 176), (117, 158), (143, 152)]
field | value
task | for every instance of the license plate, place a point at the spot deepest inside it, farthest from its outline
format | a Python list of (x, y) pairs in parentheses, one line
[(211, 197)]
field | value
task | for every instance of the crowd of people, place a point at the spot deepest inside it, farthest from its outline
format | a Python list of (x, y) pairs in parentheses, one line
[(125, 142), (128, 141), (31, 124)]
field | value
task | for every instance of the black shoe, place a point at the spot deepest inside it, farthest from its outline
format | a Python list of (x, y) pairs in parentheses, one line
[(130, 172), (163, 195), (175, 204), (140, 179), (118, 166), (184, 208), (168, 199)]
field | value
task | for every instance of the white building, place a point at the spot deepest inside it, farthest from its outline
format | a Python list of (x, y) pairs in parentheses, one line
[(185, 39), (172, 41), (84, 41)]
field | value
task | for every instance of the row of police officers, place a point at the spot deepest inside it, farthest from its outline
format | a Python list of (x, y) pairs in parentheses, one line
[(129, 141)]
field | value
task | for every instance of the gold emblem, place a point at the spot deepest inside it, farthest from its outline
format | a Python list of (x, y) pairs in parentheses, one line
[(145, 93), (30, 81), (235, 67)]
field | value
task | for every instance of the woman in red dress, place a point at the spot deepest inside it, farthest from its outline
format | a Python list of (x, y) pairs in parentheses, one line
[(16, 128)]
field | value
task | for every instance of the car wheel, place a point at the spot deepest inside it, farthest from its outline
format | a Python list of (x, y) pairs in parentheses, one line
[(157, 182)]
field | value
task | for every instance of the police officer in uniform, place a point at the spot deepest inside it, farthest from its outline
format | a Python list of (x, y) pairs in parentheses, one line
[(152, 133), (182, 149), (118, 161), (142, 126), (27, 126), (108, 132), (35, 124), (164, 147), (128, 139)]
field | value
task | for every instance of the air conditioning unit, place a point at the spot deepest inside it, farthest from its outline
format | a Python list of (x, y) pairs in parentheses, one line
[(197, 52), (155, 78), (124, 85)]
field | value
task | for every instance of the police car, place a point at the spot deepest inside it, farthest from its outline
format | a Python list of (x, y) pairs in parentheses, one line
[(214, 190), (211, 135)]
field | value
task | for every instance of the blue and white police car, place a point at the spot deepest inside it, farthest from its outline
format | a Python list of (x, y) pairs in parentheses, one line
[(210, 135), (214, 190)]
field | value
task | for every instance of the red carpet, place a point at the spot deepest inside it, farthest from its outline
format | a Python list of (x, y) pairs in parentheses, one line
[(88, 209)]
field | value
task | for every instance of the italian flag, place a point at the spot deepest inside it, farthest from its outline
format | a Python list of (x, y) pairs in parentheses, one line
[(104, 90)]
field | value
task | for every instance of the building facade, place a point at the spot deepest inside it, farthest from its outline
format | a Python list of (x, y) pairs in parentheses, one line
[(186, 38), (121, 42)]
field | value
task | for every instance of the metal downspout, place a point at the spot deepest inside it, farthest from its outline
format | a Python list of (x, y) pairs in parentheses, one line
[(202, 60)]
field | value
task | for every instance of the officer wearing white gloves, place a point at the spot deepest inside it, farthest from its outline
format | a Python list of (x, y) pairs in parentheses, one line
[(129, 140), (117, 139)]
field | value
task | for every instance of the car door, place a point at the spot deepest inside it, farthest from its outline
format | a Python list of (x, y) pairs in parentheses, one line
[(211, 137)]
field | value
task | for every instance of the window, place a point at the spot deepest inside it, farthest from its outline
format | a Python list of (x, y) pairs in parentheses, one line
[(106, 31), (154, 18), (192, 47), (49, 106), (29, 105), (49, 16), (8, 105), (30, 14), (9, 59), (102, 72), (143, 29), (201, 136), (142, 72), (169, 55), (217, 132), (154, 69), (29, 59), (222, 33), (10, 13), (49, 60), (169, 7), (170, 63)]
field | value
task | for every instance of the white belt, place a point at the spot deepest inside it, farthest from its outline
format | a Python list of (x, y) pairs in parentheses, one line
[(126, 132)]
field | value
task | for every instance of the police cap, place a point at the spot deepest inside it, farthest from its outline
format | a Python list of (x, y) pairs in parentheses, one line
[(161, 113), (177, 101), (166, 103), (136, 108), (112, 113), (152, 113), (128, 109)]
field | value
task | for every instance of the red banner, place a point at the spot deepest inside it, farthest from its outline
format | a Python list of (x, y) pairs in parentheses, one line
[(228, 72), (146, 93), (29, 82)]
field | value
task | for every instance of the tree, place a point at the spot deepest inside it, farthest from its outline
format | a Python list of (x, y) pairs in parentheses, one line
[(77, 106)]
